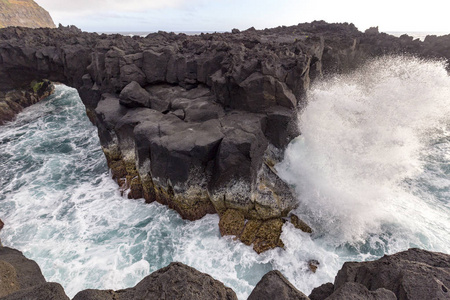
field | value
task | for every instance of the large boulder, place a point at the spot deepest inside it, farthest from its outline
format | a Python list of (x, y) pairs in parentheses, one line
[(176, 281)]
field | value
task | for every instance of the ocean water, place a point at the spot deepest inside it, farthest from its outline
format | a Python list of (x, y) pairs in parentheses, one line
[(371, 170)]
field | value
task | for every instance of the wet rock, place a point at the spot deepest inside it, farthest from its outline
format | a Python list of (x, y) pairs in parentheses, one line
[(356, 291), (313, 265), (176, 281), (274, 285), (412, 274), (299, 224), (322, 292)]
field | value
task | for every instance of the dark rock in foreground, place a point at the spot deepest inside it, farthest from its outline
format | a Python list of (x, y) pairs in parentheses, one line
[(176, 281), (21, 278), (47, 291), (275, 286), (412, 275), (322, 292), (356, 291)]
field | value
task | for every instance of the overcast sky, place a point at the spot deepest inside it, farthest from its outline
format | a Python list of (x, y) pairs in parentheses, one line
[(223, 15)]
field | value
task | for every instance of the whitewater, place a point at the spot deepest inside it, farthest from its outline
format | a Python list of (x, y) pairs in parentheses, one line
[(371, 170)]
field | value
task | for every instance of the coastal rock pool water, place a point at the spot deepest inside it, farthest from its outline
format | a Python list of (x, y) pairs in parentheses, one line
[(372, 171)]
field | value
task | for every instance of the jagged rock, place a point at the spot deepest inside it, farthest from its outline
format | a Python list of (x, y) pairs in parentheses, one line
[(1, 224), (299, 224), (356, 291), (48, 290), (322, 292), (274, 285), (176, 281), (8, 279), (413, 274)]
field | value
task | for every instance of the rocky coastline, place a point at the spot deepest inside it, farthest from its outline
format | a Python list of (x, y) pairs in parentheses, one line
[(198, 122), (414, 274)]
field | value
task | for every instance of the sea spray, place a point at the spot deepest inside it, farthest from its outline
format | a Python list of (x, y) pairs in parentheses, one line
[(371, 170), (361, 165)]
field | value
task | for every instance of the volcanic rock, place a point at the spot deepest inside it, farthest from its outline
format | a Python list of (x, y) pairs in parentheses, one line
[(198, 122), (48, 290), (21, 278), (176, 281), (322, 292), (413, 274), (356, 291), (13, 102), (274, 285)]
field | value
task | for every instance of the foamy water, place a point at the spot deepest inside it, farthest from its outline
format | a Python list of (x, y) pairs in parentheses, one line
[(372, 171)]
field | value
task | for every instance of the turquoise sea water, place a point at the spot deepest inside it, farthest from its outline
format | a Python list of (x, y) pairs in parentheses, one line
[(371, 169)]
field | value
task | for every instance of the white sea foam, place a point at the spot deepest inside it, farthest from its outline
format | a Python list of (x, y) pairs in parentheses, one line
[(364, 152), (371, 168)]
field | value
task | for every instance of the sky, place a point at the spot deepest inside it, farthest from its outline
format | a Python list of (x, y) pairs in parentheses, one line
[(224, 15)]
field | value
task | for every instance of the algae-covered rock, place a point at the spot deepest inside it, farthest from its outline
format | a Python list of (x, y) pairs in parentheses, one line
[(248, 236), (232, 222), (268, 235), (299, 224)]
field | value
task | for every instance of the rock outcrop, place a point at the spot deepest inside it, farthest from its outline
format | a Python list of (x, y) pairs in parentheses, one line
[(414, 274), (198, 122), (13, 102), (176, 281), (25, 13)]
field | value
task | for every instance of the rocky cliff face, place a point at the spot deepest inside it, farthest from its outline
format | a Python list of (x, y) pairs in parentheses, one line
[(25, 13), (198, 122)]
